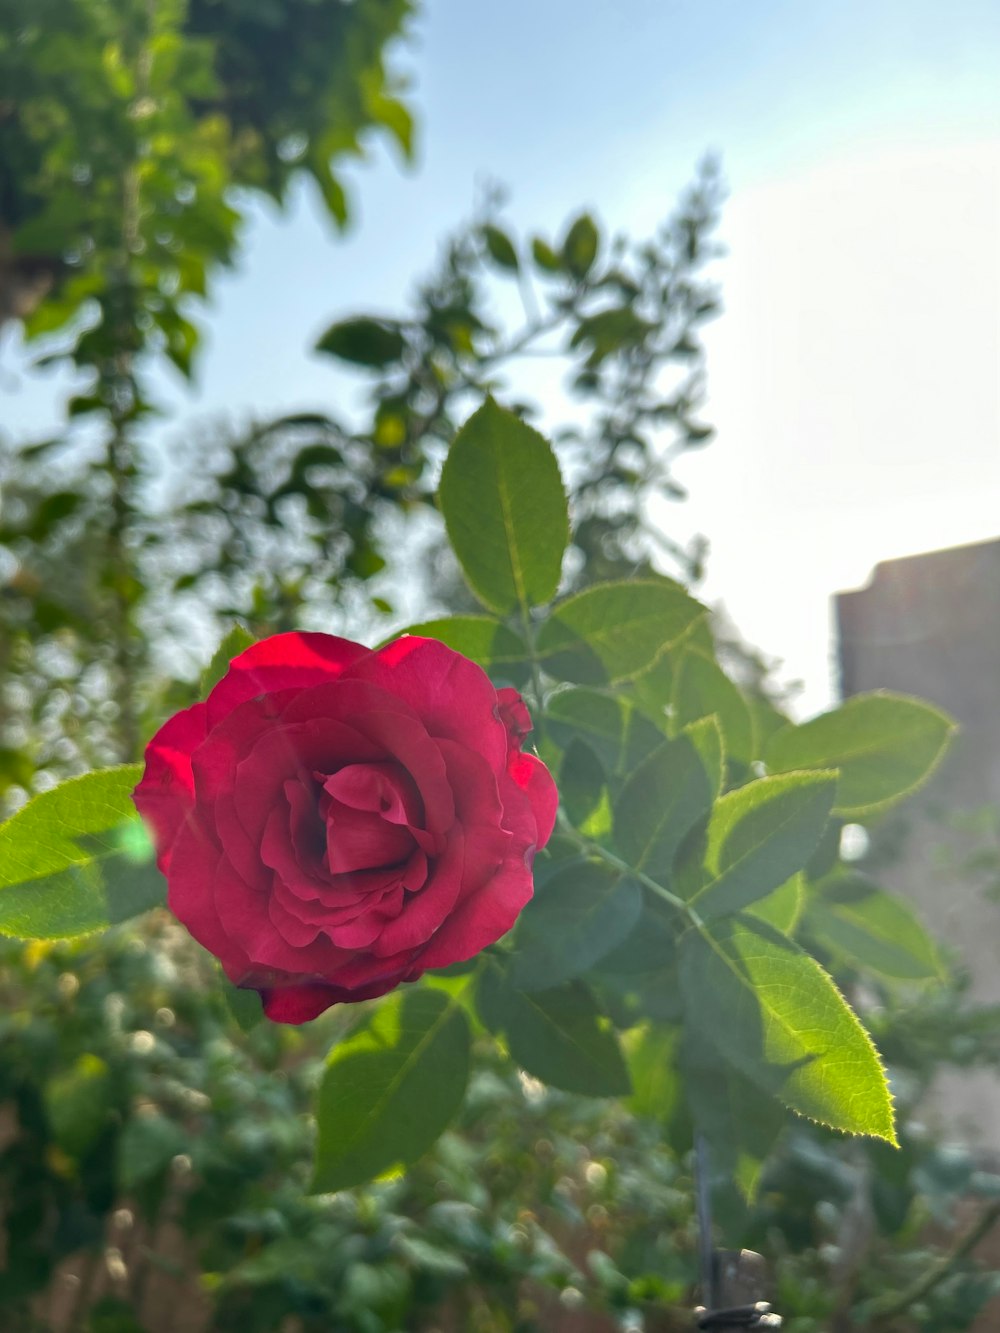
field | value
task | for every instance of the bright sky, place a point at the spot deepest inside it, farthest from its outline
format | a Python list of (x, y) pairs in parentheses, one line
[(854, 375)]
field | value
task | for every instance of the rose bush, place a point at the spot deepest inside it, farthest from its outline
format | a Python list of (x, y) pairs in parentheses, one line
[(333, 821)]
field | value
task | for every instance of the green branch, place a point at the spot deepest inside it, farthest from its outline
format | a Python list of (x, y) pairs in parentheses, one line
[(609, 858), (892, 1306)]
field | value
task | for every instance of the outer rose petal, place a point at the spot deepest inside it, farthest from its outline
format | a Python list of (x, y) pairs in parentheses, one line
[(451, 695), (194, 867), (166, 792), (299, 1004), (535, 780), (280, 662), (514, 715), (481, 918)]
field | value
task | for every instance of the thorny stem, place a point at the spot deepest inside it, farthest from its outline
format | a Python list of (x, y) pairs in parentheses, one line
[(536, 675), (602, 853)]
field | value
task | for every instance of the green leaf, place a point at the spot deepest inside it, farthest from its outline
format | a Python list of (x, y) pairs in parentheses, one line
[(775, 1014), (243, 1004), (702, 689), (610, 331), (236, 641), (610, 726), (583, 912), (885, 746), (544, 256), (582, 782), (579, 249), (654, 689), (651, 947), (556, 1035), (873, 930), (78, 1102), (500, 247), (148, 1144), (77, 859), (390, 1089), (614, 631), (782, 908), (759, 835), (665, 797), (652, 1065), (497, 649), (766, 721), (364, 341), (505, 510), (826, 857)]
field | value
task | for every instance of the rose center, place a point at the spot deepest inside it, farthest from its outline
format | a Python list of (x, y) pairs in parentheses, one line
[(369, 814)]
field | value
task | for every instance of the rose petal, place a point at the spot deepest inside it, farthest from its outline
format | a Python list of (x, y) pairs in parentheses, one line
[(255, 781), (194, 870), (452, 696), (248, 923), (535, 780), (470, 856), (481, 918), (305, 827), (514, 715), (473, 783), (360, 841), (384, 788), (359, 800), (281, 662), (165, 793), (392, 731), (299, 1004), (289, 924)]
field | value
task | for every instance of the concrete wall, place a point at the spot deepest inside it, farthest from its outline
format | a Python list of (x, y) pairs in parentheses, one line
[(929, 625)]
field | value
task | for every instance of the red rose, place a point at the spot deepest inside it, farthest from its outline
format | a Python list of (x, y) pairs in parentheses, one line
[(333, 821)]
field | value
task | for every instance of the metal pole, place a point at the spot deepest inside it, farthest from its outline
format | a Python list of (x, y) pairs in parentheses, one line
[(731, 1280), (703, 1209)]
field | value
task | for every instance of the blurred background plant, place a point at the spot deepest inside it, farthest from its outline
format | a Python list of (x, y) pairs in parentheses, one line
[(154, 1156)]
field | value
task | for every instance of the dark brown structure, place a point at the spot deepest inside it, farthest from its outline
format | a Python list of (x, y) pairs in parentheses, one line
[(929, 625)]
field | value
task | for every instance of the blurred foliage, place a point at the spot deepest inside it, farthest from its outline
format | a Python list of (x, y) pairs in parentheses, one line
[(622, 320), (126, 125), (293, 522), (130, 136), (131, 1099)]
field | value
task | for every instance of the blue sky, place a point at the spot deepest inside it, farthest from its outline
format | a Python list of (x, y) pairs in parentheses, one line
[(860, 142)]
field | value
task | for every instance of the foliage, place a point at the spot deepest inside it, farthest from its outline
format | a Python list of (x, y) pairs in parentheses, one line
[(622, 321), (136, 1095), (130, 136), (291, 522), (700, 839), (124, 129)]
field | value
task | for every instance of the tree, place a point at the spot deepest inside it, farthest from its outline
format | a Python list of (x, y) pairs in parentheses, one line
[(126, 133)]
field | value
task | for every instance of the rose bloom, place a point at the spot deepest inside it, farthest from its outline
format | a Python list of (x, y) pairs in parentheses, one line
[(332, 820)]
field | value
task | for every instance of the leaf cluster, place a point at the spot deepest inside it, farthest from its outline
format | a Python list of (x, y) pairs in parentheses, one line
[(693, 880), (125, 128)]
